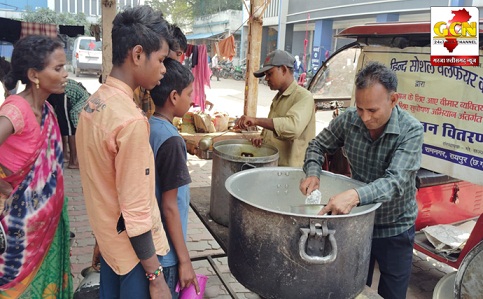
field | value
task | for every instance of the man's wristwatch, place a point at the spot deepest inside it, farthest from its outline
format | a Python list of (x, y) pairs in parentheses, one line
[(152, 276)]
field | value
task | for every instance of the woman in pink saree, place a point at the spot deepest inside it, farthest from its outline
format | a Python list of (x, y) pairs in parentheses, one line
[(34, 228)]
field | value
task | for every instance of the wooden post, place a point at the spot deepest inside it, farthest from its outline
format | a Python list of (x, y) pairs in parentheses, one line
[(253, 55), (108, 14)]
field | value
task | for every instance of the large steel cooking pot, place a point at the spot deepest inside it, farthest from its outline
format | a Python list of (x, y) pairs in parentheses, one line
[(278, 252), (231, 156)]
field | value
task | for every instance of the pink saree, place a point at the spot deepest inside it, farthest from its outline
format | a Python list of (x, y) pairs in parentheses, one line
[(32, 212)]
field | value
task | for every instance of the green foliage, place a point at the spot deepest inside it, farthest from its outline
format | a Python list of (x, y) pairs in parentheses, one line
[(183, 13), (47, 16), (178, 12), (208, 7)]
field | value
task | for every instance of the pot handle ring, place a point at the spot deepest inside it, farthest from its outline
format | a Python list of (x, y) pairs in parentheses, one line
[(248, 165), (317, 259)]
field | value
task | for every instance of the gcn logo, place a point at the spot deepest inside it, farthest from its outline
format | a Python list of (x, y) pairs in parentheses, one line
[(456, 29), (455, 33)]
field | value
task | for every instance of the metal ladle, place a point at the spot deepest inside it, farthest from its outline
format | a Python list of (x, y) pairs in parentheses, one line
[(206, 142)]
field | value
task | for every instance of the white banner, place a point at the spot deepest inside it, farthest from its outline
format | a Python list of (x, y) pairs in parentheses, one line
[(448, 100)]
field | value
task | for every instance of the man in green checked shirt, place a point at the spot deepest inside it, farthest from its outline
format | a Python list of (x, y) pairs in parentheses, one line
[(67, 107), (383, 145)]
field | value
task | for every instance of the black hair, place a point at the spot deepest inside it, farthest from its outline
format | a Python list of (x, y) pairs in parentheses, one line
[(140, 25), (375, 72), (179, 39), (30, 52), (177, 78)]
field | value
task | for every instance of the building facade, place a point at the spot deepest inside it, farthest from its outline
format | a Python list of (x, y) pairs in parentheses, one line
[(308, 28), (13, 9)]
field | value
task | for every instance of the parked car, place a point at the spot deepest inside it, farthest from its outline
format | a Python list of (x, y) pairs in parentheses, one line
[(87, 55)]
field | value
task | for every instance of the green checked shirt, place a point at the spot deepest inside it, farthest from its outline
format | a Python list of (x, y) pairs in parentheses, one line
[(77, 97), (387, 165)]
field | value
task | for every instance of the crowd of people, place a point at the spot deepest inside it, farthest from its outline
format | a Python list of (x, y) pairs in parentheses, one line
[(136, 198), (32, 124)]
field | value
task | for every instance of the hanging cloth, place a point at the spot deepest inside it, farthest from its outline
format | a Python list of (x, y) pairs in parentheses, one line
[(217, 50), (227, 47), (10, 30), (72, 31), (29, 28), (187, 56), (194, 58), (201, 73), (189, 50)]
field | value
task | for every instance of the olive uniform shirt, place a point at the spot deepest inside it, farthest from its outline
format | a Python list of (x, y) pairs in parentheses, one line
[(293, 114)]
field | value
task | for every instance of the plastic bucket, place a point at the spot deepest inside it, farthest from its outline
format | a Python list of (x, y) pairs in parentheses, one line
[(190, 292)]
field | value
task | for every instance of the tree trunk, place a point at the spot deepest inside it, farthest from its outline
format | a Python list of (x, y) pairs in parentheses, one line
[(253, 56), (108, 14)]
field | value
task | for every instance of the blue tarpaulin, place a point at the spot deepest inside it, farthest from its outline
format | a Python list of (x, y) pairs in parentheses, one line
[(202, 35)]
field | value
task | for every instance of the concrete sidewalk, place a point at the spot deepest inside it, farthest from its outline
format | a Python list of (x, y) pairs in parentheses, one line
[(425, 274)]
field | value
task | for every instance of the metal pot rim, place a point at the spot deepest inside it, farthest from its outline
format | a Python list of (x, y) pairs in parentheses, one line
[(229, 181), (233, 158)]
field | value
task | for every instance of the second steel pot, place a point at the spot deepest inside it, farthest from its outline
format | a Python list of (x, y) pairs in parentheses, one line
[(229, 157)]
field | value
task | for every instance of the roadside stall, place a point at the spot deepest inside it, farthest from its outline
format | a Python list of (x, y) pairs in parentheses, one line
[(202, 129), (201, 144), (277, 247)]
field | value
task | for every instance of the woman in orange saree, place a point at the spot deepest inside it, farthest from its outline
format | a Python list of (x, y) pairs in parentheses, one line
[(34, 250)]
